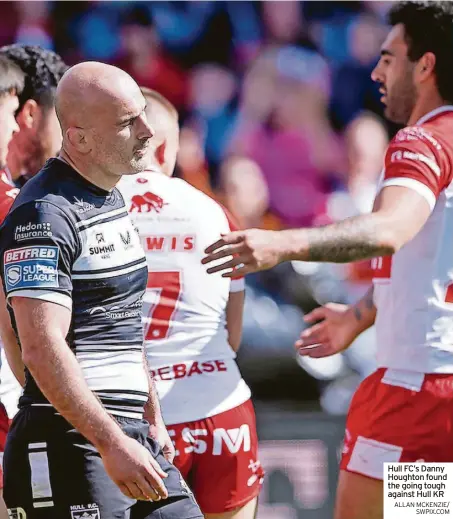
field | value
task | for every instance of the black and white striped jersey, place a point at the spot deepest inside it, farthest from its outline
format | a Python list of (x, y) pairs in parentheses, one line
[(69, 242)]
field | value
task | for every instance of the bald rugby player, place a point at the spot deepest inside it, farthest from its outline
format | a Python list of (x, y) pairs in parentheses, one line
[(79, 445)]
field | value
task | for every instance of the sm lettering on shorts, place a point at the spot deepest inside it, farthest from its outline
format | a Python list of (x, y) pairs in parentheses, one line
[(31, 267)]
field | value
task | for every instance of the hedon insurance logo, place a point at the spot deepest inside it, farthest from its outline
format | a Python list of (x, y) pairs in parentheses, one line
[(31, 267)]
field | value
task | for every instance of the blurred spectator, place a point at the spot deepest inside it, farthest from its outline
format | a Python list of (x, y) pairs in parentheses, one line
[(240, 177), (35, 24), (284, 128), (212, 91), (191, 161), (145, 59), (353, 87)]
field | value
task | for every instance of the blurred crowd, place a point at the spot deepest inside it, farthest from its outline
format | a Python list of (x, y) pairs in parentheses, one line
[(280, 122)]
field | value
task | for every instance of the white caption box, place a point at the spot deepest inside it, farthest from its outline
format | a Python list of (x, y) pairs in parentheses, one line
[(418, 489)]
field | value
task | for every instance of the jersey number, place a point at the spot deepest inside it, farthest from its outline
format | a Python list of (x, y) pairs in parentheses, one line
[(449, 294), (168, 285)]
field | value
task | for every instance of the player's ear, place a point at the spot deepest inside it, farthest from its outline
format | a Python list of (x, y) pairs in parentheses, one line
[(29, 114), (78, 139), (425, 66), (160, 153)]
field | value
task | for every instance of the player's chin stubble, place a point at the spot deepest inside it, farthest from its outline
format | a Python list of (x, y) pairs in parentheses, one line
[(401, 102)]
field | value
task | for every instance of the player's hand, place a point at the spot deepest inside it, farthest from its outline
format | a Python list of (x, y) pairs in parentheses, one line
[(132, 467), (334, 332), (251, 250), (160, 434)]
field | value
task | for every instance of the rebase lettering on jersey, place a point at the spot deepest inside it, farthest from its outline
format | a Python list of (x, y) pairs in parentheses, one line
[(177, 371), (169, 243), (31, 267)]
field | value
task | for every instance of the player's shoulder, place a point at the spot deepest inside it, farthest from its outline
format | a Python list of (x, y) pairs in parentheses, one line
[(422, 142), (50, 187), (200, 201), (417, 136)]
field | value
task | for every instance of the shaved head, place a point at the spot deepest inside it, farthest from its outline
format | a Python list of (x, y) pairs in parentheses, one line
[(89, 89), (163, 117), (102, 115)]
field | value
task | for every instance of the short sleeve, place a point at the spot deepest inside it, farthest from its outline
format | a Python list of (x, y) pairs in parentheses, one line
[(38, 245), (415, 159)]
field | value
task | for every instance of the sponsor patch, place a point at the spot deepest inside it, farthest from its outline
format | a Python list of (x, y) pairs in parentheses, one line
[(37, 231), (31, 267)]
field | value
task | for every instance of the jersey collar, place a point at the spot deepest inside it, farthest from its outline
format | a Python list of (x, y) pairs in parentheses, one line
[(434, 113)]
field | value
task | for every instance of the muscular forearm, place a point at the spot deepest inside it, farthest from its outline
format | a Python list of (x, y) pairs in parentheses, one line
[(364, 311), (58, 375), (356, 238)]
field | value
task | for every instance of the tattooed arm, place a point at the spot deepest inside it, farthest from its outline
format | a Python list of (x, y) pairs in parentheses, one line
[(398, 215), (337, 326)]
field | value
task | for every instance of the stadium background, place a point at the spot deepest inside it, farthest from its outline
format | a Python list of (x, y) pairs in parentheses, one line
[(281, 122)]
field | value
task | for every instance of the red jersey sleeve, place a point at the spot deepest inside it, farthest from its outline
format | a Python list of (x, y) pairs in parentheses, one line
[(415, 159), (7, 196)]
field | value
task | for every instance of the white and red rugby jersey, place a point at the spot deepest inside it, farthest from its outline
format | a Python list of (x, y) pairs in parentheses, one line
[(413, 289), (186, 340)]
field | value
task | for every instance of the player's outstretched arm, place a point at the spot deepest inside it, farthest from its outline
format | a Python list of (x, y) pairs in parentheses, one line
[(42, 328), (9, 340), (234, 318), (336, 326), (398, 215)]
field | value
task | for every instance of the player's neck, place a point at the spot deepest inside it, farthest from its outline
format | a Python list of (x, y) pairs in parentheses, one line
[(94, 176), (425, 106), (15, 166)]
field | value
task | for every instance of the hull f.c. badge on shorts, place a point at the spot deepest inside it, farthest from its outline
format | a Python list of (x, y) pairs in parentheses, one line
[(90, 512)]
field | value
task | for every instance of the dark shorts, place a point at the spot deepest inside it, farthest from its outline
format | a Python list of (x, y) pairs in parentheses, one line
[(52, 472)]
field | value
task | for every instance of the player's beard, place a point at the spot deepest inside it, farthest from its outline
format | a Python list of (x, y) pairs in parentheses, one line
[(35, 158), (400, 101)]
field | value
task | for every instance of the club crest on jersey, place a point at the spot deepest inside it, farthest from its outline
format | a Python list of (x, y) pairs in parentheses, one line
[(147, 203), (31, 267), (17, 513), (85, 512)]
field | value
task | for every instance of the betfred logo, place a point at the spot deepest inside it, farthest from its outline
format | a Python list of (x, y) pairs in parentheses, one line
[(147, 203), (31, 267), (27, 253)]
